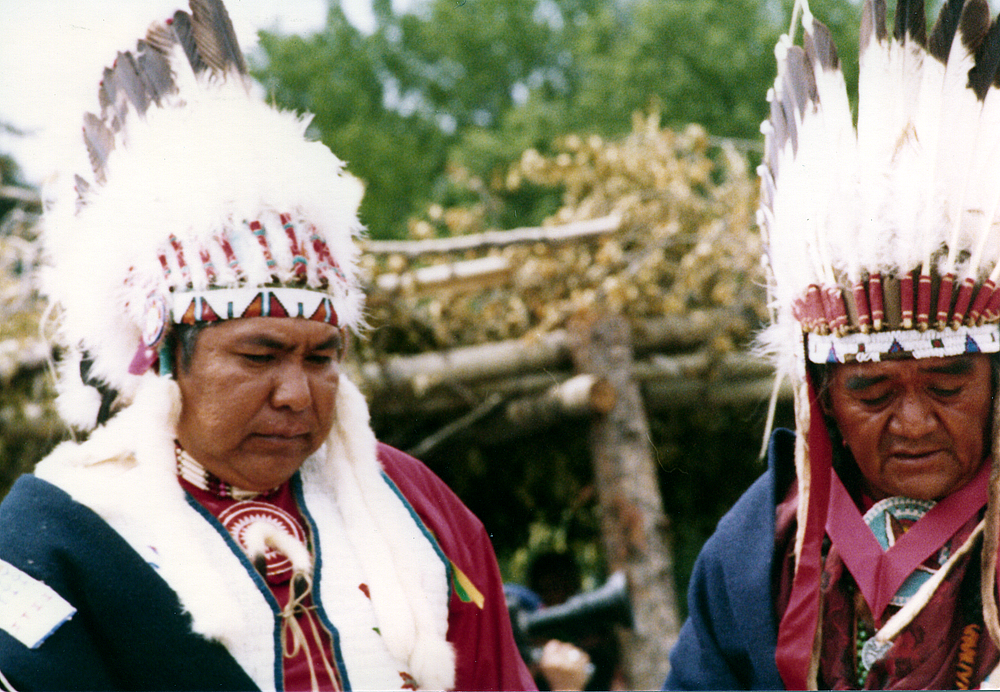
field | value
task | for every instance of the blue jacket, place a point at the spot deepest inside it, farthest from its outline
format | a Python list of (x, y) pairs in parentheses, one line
[(152, 643), (728, 641)]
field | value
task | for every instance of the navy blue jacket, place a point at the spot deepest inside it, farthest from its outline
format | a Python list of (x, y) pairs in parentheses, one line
[(152, 645), (728, 641)]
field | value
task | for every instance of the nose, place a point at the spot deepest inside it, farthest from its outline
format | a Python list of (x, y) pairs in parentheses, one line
[(913, 417), (291, 388)]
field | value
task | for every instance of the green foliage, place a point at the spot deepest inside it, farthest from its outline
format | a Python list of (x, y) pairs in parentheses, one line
[(473, 83), (335, 76)]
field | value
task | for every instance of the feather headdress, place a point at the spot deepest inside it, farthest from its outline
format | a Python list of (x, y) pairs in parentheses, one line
[(883, 241), (204, 203)]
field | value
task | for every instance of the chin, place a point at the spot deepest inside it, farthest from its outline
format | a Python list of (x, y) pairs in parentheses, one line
[(928, 489)]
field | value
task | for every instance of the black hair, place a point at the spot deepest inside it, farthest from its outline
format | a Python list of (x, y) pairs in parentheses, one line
[(182, 341)]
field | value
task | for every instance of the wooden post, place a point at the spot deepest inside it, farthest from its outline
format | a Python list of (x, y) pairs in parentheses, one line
[(633, 524)]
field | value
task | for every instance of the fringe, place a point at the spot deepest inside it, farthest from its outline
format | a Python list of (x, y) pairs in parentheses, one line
[(988, 574)]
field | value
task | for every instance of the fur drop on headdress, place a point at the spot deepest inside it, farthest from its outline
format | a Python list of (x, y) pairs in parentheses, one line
[(197, 185)]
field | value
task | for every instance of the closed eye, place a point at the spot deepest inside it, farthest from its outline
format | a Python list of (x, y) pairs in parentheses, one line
[(259, 358), (945, 391), (876, 401)]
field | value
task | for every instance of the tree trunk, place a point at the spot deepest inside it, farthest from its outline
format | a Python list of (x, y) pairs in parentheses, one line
[(633, 525)]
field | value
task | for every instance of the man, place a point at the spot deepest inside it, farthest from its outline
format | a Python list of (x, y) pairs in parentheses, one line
[(865, 557), (230, 521)]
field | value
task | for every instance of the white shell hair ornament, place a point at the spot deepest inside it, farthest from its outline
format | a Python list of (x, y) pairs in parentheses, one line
[(204, 203)]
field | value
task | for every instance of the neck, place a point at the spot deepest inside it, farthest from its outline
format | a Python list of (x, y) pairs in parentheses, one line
[(197, 475)]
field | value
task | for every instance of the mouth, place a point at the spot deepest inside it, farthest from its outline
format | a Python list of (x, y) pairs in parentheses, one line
[(915, 457), (283, 437)]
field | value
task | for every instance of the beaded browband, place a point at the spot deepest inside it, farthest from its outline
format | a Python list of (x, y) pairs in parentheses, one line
[(883, 318)]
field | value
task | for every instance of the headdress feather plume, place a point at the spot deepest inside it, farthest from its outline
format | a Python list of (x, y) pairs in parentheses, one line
[(902, 198)]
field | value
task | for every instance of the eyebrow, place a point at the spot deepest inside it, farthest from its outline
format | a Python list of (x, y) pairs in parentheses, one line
[(856, 383), (959, 366), (333, 343)]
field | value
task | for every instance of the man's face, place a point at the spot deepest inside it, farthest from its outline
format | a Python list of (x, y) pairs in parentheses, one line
[(259, 397), (916, 428)]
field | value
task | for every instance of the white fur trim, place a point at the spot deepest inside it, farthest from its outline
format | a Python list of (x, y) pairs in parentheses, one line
[(407, 579), (145, 504)]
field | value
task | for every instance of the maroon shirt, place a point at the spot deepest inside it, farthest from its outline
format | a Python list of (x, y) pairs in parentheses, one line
[(478, 622)]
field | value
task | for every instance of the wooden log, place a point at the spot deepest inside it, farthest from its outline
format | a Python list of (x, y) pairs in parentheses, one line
[(633, 525), (417, 375), (671, 395), (576, 397), (435, 385), (468, 275), (495, 421), (26, 196), (495, 239)]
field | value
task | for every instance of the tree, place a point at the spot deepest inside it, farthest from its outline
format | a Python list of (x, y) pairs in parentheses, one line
[(336, 76), (467, 85)]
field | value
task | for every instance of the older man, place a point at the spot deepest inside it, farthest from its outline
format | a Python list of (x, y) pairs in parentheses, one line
[(230, 522), (866, 556)]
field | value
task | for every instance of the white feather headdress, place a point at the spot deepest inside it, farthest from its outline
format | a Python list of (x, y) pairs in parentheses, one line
[(883, 239), (204, 203)]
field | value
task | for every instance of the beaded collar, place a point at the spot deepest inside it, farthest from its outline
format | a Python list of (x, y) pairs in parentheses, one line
[(200, 477)]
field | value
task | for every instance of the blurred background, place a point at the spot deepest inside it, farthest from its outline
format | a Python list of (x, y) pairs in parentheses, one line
[(535, 171)]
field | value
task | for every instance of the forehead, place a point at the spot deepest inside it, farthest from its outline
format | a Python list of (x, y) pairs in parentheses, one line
[(278, 332), (859, 375)]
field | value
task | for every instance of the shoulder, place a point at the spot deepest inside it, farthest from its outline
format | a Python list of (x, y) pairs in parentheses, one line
[(36, 514), (46, 531), (430, 497), (729, 637)]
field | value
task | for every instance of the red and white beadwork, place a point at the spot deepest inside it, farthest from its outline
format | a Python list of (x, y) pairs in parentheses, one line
[(191, 307), (242, 517)]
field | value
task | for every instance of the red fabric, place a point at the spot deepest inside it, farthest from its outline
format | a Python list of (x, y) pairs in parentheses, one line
[(986, 292), (878, 573), (945, 291), (296, 668), (483, 639), (926, 654), (923, 299), (906, 298), (963, 300), (861, 304), (797, 629), (944, 647), (876, 299), (487, 657)]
